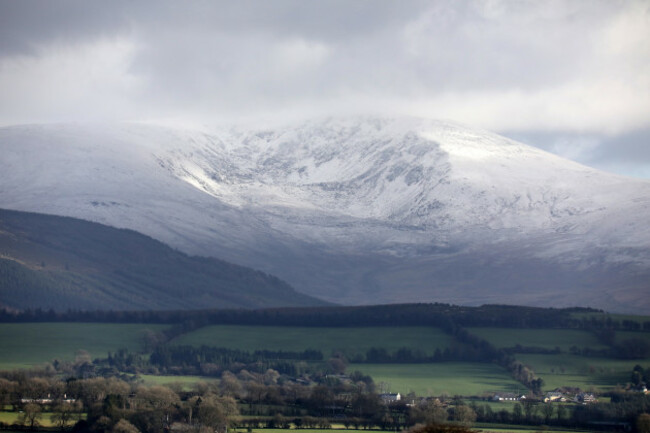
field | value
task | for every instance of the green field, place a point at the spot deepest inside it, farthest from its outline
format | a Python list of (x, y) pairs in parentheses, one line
[(350, 341), (584, 372), (544, 338), (29, 344), (529, 430), (184, 382), (451, 378), (11, 418), (631, 335)]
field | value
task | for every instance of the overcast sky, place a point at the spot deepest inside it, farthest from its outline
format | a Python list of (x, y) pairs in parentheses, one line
[(572, 77)]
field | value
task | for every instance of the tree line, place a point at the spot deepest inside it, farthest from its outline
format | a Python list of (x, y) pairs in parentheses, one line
[(421, 314)]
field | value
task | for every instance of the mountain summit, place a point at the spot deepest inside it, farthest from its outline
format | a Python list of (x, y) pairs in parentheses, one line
[(354, 210)]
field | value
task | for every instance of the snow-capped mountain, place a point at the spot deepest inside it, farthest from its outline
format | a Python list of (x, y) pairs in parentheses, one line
[(354, 210)]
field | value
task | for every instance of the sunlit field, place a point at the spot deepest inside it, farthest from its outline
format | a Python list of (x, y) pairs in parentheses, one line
[(29, 344), (451, 378)]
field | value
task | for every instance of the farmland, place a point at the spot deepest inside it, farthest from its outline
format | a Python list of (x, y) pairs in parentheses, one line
[(349, 341), (29, 344), (563, 339), (578, 371), (281, 366), (631, 335), (10, 418), (185, 382), (454, 378)]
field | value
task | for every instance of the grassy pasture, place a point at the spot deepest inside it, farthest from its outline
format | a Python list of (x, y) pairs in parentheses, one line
[(545, 338), (517, 429), (350, 341), (28, 344), (451, 378), (584, 372), (185, 382), (11, 418), (496, 406), (632, 335)]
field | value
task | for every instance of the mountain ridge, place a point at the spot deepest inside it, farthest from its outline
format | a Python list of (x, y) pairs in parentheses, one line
[(49, 261), (355, 210)]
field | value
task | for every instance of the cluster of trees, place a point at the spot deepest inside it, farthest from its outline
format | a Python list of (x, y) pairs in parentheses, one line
[(518, 348), (180, 355), (625, 407), (640, 376), (113, 405), (605, 322), (405, 355), (630, 348), (209, 361), (525, 375), (624, 411), (529, 412)]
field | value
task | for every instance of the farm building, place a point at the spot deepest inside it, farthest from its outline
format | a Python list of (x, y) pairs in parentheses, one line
[(390, 398), (586, 397), (554, 396), (507, 396)]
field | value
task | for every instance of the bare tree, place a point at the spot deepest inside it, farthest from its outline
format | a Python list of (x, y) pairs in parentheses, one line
[(547, 411), (64, 413), (32, 413), (464, 415)]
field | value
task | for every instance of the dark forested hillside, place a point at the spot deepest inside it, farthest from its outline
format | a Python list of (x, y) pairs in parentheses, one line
[(61, 263)]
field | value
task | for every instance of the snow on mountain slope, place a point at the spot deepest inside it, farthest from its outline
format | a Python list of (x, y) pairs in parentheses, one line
[(411, 174), (354, 210)]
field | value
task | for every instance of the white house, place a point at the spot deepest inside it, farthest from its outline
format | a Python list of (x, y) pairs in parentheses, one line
[(390, 398)]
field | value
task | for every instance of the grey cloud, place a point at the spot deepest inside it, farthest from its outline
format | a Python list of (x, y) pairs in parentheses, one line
[(377, 48), (27, 24), (552, 66), (383, 48)]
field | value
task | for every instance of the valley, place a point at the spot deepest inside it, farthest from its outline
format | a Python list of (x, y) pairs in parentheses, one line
[(432, 355)]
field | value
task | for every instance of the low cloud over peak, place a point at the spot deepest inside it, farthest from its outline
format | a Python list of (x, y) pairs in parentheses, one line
[(561, 67)]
